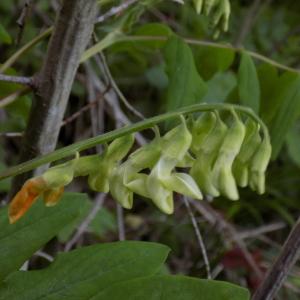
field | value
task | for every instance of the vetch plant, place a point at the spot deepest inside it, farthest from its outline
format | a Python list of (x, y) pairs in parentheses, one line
[(218, 10), (218, 152)]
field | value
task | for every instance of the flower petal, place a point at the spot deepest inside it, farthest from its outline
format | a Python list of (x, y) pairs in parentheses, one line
[(24, 199), (51, 197)]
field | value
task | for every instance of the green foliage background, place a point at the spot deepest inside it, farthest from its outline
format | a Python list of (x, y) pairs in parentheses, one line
[(158, 54)]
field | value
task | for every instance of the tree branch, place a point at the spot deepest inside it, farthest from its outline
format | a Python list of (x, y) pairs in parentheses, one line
[(115, 10), (17, 79), (280, 269), (72, 31)]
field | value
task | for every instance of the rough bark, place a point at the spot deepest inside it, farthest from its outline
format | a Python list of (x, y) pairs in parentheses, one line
[(72, 32)]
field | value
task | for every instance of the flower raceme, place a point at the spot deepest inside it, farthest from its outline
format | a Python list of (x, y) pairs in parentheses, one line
[(50, 185), (218, 10), (218, 155)]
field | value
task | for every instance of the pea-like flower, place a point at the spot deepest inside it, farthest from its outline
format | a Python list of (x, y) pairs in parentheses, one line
[(259, 165), (249, 147), (99, 179), (223, 178), (50, 186), (201, 129), (219, 156), (202, 169)]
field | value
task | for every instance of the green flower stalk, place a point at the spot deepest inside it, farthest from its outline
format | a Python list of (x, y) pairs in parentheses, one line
[(221, 157)]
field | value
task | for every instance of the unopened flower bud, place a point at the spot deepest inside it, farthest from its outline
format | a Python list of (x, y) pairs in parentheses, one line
[(249, 147), (117, 188), (146, 156), (202, 127), (25, 198), (201, 171), (198, 5), (187, 161), (137, 184), (99, 179), (60, 175), (222, 171), (259, 165), (184, 184), (161, 196), (176, 142), (52, 196)]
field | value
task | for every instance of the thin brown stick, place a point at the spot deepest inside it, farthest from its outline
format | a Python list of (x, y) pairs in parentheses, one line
[(85, 108), (281, 267), (11, 134), (198, 236), (119, 92), (86, 222), (17, 79), (248, 22), (121, 224), (22, 19), (14, 96), (224, 228), (115, 10)]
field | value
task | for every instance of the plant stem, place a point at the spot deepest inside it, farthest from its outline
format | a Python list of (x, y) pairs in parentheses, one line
[(17, 79), (198, 236), (115, 10), (280, 269), (109, 136), (24, 49), (71, 34), (212, 45)]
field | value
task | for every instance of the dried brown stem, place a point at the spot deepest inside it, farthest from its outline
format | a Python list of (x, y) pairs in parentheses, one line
[(281, 267), (224, 227), (199, 236), (115, 10), (17, 79)]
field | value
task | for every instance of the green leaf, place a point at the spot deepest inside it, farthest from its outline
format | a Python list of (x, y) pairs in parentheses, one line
[(103, 222), (186, 87), (81, 273), (287, 101), (211, 60), (4, 36), (6, 183), (268, 80), (153, 30), (248, 84), (157, 77), (219, 87), (175, 288), (293, 144), (20, 240), (108, 40)]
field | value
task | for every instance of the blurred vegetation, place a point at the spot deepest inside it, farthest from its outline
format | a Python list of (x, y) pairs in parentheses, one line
[(138, 67)]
